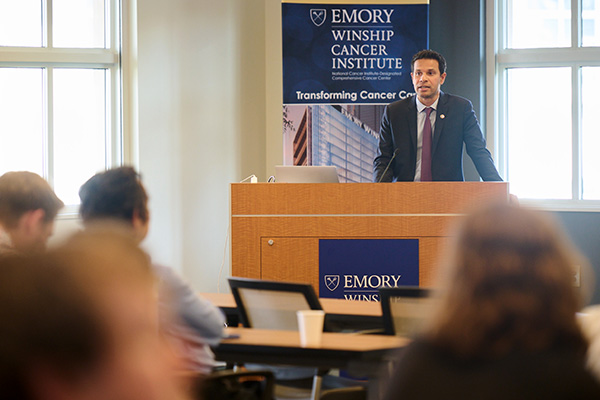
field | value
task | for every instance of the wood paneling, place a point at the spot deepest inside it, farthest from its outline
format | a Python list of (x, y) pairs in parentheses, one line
[(296, 216), (290, 259), (361, 198)]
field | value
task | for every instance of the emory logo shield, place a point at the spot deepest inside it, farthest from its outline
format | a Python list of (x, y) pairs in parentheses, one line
[(317, 15), (332, 282)]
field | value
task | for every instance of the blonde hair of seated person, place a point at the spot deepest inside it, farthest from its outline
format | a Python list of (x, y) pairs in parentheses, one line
[(507, 286)]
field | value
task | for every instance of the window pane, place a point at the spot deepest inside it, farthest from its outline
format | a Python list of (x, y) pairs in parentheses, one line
[(590, 80), (539, 23), (78, 23), (539, 132), (21, 120), (79, 129), (21, 23), (590, 14)]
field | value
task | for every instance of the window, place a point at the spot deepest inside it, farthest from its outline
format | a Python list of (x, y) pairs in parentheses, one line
[(60, 90), (544, 71)]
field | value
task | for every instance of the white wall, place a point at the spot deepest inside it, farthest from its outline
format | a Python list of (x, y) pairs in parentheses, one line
[(201, 123), (159, 138), (274, 88)]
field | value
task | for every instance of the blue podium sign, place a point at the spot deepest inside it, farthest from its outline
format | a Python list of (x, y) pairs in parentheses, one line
[(354, 269)]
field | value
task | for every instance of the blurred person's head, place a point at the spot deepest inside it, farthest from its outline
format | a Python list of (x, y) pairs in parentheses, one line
[(81, 323), (116, 194), (507, 286), (28, 207)]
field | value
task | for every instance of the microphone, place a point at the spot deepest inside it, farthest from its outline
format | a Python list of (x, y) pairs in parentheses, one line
[(388, 165)]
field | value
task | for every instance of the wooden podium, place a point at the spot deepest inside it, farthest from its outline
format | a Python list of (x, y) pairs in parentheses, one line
[(276, 227)]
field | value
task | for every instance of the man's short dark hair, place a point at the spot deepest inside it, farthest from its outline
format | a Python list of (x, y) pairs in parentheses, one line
[(429, 55), (114, 194), (23, 191)]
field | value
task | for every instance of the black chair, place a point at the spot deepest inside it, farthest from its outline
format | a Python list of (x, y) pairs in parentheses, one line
[(404, 309), (345, 394), (235, 385), (272, 305)]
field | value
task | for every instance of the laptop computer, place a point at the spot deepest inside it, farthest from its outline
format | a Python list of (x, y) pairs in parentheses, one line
[(306, 174)]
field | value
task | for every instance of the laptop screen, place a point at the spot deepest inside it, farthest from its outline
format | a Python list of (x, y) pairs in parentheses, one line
[(306, 174)]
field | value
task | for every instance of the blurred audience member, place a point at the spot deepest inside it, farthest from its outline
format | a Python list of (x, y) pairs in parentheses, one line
[(505, 326), (28, 207), (195, 323), (81, 323)]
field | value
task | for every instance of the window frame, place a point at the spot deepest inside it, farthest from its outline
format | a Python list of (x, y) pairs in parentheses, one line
[(118, 59), (499, 59)]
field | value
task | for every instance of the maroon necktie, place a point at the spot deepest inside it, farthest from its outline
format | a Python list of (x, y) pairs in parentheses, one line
[(426, 149)]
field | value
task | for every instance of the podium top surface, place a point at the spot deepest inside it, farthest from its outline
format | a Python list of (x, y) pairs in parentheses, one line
[(399, 198)]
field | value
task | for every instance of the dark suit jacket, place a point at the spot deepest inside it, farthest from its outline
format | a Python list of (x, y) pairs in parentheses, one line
[(459, 125)]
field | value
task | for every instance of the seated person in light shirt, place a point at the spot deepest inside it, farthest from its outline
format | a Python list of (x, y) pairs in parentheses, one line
[(194, 323), (28, 207), (81, 323)]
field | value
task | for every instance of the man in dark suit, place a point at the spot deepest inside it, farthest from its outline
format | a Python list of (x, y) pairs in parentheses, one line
[(421, 137)]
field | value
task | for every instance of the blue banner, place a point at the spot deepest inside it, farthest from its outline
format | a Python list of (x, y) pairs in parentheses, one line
[(355, 53), (342, 64), (354, 269)]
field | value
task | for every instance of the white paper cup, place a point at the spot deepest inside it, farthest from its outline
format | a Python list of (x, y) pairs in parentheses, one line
[(310, 325)]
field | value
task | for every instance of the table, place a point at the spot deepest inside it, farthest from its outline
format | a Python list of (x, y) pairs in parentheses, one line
[(365, 354), (341, 314)]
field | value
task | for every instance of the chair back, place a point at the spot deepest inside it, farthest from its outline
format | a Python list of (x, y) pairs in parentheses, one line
[(404, 309), (272, 305), (230, 385), (351, 393)]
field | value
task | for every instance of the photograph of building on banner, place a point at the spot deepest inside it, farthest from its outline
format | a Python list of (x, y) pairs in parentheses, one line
[(343, 135), (342, 64)]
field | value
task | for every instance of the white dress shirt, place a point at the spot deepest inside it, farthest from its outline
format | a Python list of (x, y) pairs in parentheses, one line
[(421, 114)]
